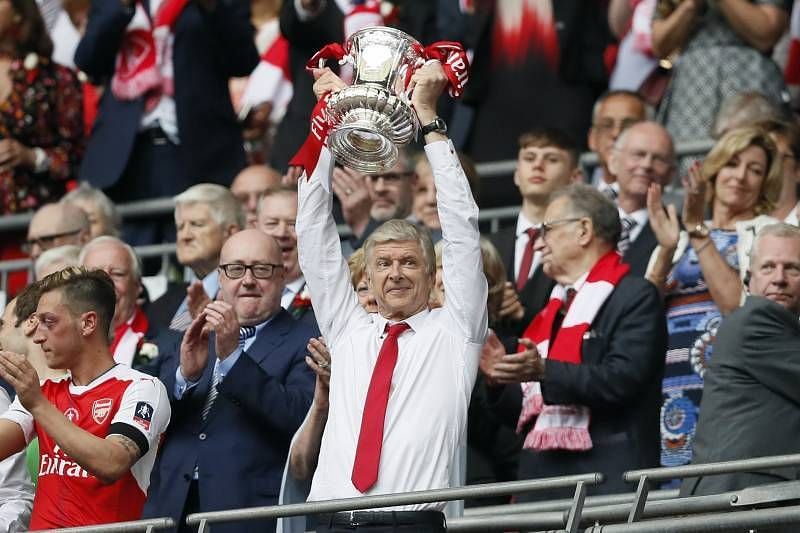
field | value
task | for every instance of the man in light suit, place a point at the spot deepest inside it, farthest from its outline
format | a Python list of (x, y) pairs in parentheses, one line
[(619, 371), (751, 401), (239, 387)]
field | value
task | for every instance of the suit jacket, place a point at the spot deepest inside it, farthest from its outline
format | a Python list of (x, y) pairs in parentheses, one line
[(619, 380), (210, 47), (751, 400), (160, 312), (240, 450), (638, 253)]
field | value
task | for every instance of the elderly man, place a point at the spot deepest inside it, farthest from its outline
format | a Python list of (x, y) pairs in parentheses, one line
[(240, 389), (642, 155), (612, 114), (205, 216), (277, 215), (593, 358), (130, 325), (249, 185), (56, 225), (104, 219), (99, 429), (427, 358), (751, 402)]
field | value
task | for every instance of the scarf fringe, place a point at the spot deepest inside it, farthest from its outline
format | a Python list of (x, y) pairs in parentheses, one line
[(559, 438)]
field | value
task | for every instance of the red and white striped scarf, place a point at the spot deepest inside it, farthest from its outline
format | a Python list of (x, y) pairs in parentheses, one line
[(566, 427), (144, 61)]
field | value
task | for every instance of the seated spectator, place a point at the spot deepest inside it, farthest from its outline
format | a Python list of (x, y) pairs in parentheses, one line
[(786, 136), (277, 214), (700, 270), (56, 259), (591, 371), (205, 216), (129, 324), (751, 405), (103, 216), (41, 123), (425, 208), (244, 390), (613, 112), (249, 185), (99, 429), (56, 225), (643, 154), (742, 109), (358, 276)]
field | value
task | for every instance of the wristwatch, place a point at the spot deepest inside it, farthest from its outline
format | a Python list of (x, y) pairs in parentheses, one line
[(700, 231), (437, 125)]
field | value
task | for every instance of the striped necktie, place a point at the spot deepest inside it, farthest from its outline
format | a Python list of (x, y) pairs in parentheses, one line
[(245, 332), (628, 223)]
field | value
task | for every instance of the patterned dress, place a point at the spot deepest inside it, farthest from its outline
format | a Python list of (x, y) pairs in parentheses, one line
[(44, 109), (714, 64), (692, 322)]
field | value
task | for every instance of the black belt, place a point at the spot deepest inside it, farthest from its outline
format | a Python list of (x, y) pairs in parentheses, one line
[(384, 518), (155, 136)]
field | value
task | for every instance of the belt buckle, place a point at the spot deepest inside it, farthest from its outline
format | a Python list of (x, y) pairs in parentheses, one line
[(353, 521)]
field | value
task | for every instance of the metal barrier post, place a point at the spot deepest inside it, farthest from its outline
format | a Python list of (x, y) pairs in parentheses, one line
[(574, 516), (641, 498)]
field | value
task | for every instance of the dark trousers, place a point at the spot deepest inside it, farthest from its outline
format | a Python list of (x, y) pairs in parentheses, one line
[(192, 505), (383, 522)]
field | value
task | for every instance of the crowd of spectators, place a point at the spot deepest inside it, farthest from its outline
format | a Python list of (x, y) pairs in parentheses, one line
[(680, 273)]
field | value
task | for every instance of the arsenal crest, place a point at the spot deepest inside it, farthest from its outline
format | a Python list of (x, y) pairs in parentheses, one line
[(100, 409)]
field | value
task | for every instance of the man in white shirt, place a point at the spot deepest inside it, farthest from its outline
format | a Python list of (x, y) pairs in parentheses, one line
[(375, 443), (642, 156)]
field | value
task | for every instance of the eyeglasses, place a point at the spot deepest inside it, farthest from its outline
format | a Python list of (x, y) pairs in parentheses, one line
[(259, 270), (548, 226), (391, 177), (45, 242), (660, 161), (607, 125)]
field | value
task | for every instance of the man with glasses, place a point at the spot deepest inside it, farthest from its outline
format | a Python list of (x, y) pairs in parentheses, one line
[(56, 225), (591, 362), (240, 388), (643, 156), (612, 114)]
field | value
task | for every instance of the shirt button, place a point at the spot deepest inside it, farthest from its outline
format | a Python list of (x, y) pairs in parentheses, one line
[(202, 436)]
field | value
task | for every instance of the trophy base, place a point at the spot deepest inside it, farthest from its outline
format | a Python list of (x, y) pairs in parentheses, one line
[(363, 148)]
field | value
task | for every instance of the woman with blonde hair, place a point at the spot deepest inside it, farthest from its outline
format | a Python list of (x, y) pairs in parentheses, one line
[(700, 269)]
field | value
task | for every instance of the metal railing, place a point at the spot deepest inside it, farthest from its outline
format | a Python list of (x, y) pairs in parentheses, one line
[(202, 520), (148, 526)]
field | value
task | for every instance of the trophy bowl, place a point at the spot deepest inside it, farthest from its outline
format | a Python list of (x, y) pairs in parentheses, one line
[(371, 117)]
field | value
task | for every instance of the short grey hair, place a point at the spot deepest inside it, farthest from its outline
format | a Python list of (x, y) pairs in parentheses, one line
[(68, 255), (622, 139), (779, 229), (135, 262), (744, 109), (586, 201), (278, 190), (398, 230), (85, 192), (649, 113), (224, 207)]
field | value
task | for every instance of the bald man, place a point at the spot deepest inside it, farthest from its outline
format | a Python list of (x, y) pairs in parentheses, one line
[(56, 225), (237, 437), (249, 185)]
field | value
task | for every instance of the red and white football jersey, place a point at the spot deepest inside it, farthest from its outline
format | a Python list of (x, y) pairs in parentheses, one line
[(122, 401)]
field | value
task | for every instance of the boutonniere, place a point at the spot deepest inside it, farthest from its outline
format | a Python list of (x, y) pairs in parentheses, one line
[(148, 351), (302, 300), (31, 62)]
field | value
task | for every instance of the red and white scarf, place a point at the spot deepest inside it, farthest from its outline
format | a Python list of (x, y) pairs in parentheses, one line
[(144, 60), (128, 336), (566, 427)]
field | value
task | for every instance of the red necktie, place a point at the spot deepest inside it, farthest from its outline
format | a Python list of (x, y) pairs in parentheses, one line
[(527, 258), (370, 438)]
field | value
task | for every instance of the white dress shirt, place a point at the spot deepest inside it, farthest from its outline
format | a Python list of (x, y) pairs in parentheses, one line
[(16, 489), (438, 357), (290, 291), (640, 216), (523, 224)]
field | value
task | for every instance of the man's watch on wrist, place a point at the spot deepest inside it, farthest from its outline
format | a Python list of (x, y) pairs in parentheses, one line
[(700, 231), (437, 125)]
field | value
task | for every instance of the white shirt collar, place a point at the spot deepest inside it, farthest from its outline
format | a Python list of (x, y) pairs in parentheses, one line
[(523, 224)]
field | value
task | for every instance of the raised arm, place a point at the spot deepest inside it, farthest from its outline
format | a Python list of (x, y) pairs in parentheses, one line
[(464, 282)]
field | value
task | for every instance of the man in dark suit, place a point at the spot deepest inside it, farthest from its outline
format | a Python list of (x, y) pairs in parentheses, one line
[(615, 373), (751, 401), (239, 387), (182, 131), (643, 154), (546, 162)]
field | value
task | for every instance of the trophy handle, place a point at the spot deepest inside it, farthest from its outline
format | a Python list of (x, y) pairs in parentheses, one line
[(329, 51)]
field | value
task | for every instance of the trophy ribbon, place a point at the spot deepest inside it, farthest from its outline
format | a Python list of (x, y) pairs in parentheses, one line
[(308, 154)]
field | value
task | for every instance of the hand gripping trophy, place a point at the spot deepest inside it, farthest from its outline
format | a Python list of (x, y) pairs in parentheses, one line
[(367, 120)]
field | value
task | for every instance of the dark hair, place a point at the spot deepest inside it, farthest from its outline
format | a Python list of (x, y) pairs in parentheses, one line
[(586, 201), (32, 35), (784, 129), (26, 303), (551, 137), (84, 290)]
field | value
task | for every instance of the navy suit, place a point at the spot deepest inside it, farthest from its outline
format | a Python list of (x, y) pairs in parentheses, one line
[(241, 449), (210, 47)]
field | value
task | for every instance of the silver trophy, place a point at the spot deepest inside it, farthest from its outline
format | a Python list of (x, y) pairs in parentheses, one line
[(371, 117)]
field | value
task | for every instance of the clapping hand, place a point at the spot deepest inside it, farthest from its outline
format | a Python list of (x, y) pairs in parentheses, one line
[(194, 348), (18, 372), (521, 367), (319, 360), (663, 220), (694, 203), (222, 320)]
